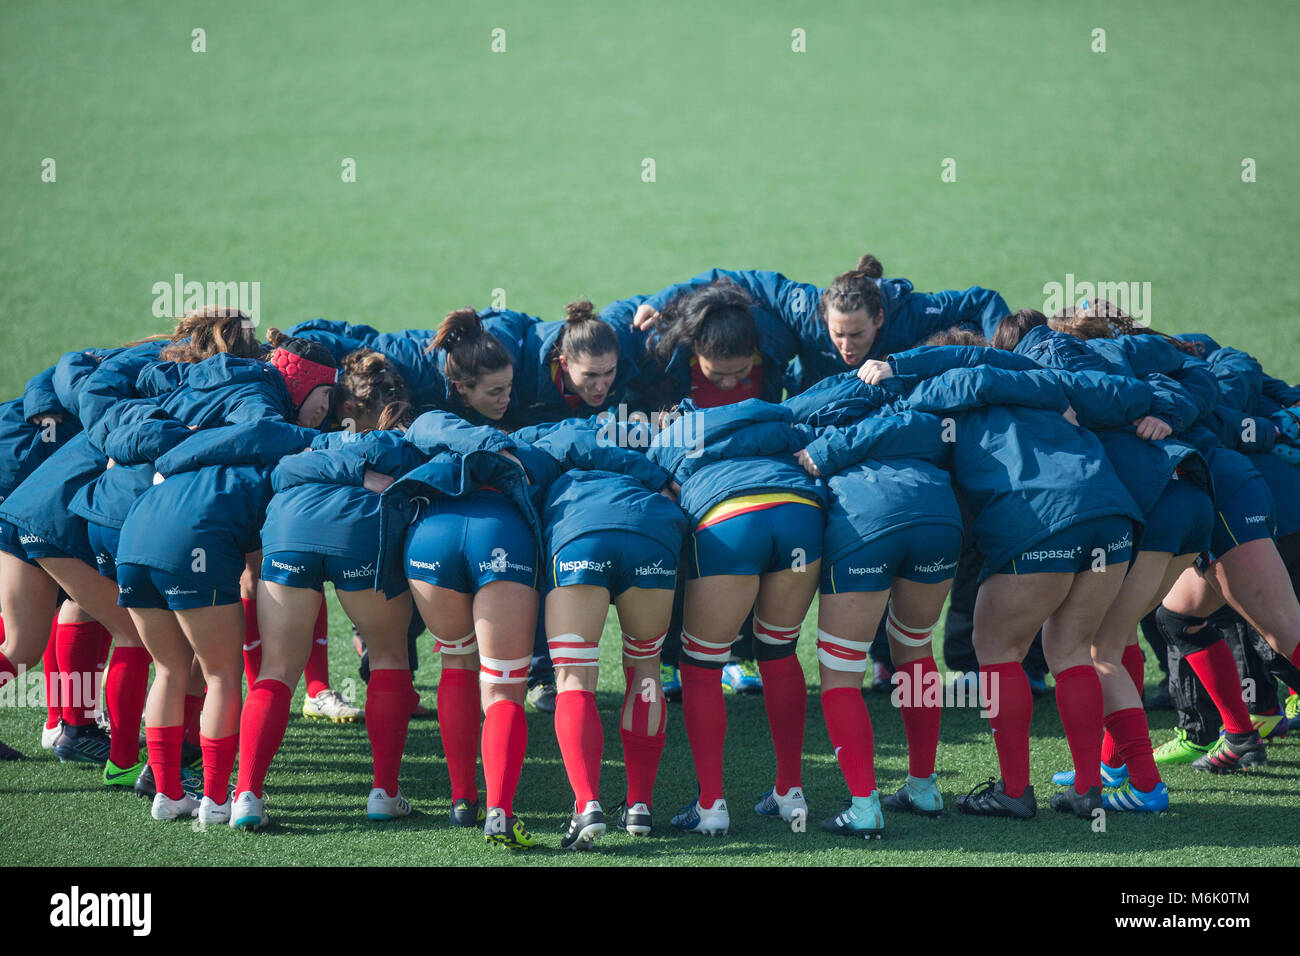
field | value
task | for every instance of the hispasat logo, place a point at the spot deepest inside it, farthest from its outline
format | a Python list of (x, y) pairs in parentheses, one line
[(76, 909)]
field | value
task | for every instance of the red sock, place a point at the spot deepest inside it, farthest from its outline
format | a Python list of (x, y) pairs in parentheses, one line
[(165, 759), (920, 721), (1008, 688), (261, 731), (1110, 754), (7, 670), (641, 755), (458, 724), (101, 662), (317, 671), (505, 741), (643, 744), (124, 695), (849, 726), (1129, 728), (218, 761), (252, 643), (577, 727), (193, 710), (50, 667), (77, 650), (1217, 670), (785, 697), (1136, 667), (1078, 698), (706, 726), (1295, 662), (388, 715)]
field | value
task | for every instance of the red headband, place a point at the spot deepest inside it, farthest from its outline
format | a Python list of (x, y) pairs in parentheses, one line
[(302, 375)]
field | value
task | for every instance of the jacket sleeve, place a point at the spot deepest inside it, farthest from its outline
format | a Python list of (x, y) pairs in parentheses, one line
[(39, 397), (331, 467), (906, 435), (1112, 401), (114, 380), (578, 445), (977, 309), (963, 389), (931, 360), (1279, 391), (1239, 376), (261, 443), (439, 431)]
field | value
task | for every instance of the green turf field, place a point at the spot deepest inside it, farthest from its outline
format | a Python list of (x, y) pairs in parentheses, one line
[(59, 814), (522, 171)]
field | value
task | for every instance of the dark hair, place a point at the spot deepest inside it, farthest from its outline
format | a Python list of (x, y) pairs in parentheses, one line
[(715, 320), (856, 289), (957, 336), (311, 350), (1104, 320), (369, 380), (584, 333), (471, 350), (1015, 326), (211, 330), (396, 415)]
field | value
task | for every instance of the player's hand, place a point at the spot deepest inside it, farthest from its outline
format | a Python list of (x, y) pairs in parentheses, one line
[(110, 464), (1152, 428), (874, 371), (647, 317), (376, 481), (44, 419), (806, 462), (1069, 415), (671, 490)]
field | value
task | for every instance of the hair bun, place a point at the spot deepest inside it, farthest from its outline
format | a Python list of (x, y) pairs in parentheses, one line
[(870, 265), (580, 311)]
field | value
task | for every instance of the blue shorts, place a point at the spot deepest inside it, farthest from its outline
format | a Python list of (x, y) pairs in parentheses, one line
[(304, 569), (925, 553), (1077, 548), (1180, 521), (142, 587), (29, 546), (757, 542), (103, 543), (615, 561), (1246, 516), (464, 543), (11, 542)]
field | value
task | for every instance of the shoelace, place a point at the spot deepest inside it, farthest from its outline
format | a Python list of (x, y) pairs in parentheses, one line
[(985, 789)]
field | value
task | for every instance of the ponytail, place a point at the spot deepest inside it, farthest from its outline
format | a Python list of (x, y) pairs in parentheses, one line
[(856, 289), (471, 350), (1015, 327), (584, 334)]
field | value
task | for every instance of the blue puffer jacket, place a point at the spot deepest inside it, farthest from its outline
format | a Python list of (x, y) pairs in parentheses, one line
[(884, 465), (40, 505), (321, 504), (603, 488), (217, 478), (1240, 380), (177, 427), (421, 371), (50, 394), (531, 342), (656, 387), (1023, 471), (910, 317), (462, 459), (1145, 467), (741, 449)]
